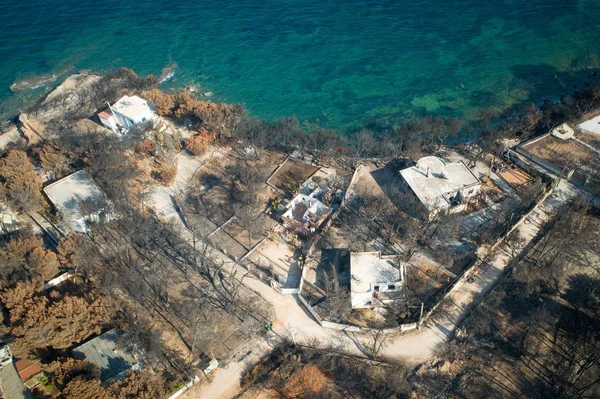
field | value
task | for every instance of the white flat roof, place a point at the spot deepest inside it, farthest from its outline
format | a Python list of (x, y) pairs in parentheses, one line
[(134, 108), (67, 193), (443, 178), (591, 126), (368, 268)]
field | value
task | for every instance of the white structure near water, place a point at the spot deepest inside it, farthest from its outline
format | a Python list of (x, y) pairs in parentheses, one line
[(70, 193), (591, 125), (126, 113), (441, 185), (563, 132), (376, 279)]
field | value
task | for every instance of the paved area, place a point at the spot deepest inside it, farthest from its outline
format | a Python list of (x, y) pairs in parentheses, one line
[(12, 386), (161, 198), (281, 258)]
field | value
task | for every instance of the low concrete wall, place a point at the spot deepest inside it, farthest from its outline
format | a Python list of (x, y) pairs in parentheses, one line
[(185, 388), (283, 291), (302, 277), (254, 248), (340, 326), (479, 262), (358, 329), (467, 274), (273, 174), (310, 309), (347, 327), (57, 280), (523, 150)]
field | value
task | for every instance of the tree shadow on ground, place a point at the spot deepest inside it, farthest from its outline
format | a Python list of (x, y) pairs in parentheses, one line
[(338, 258)]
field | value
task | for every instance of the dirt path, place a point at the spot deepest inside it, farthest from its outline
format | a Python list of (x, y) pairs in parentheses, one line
[(294, 323)]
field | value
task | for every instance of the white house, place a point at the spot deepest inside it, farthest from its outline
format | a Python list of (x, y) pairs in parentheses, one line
[(441, 185), (375, 279), (591, 126), (68, 194), (127, 113)]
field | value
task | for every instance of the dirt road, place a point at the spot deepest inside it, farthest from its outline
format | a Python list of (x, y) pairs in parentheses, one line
[(293, 322)]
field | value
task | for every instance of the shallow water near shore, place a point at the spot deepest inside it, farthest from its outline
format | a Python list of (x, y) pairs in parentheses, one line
[(343, 63)]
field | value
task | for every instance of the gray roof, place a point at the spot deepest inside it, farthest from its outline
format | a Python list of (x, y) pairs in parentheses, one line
[(102, 351), (68, 193), (433, 180)]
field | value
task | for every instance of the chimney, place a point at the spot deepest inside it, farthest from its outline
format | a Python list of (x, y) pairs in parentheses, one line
[(428, 174)]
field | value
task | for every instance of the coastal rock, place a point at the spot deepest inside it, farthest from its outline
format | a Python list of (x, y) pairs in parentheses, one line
[(31, 128), (84, 126), (73, 84), (66, 96), (167, 72), (35, 82), (11, 135), (31, 84)]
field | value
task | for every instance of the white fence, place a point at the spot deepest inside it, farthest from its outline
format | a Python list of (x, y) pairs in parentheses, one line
[(185, 387), (57, 280)]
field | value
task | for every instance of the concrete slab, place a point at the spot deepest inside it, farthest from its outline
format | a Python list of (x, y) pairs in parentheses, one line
[(12, 386)]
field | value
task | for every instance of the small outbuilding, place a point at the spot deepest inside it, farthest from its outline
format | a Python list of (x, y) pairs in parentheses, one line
[(442, 186), (564, 132), (78, 200), (376, 279), (30, 372), (127, 113)]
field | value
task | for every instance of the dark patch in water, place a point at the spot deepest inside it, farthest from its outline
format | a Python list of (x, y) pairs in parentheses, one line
[(483, 98), (234, 59)]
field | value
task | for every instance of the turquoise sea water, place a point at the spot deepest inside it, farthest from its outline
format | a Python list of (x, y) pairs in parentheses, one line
[(345, 63)]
